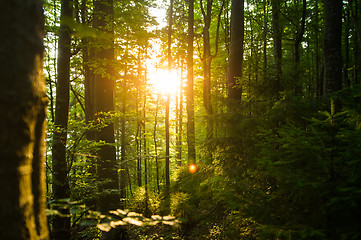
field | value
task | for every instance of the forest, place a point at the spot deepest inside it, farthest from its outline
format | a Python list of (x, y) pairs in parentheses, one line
[(180, 119)]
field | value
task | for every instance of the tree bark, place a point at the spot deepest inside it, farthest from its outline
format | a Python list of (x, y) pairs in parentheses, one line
[(147, 212), (180, 120), (299, 36), (354, 8), (319, 68), (277, 40), (189, 88), (332, 56), (156, 143), (61, 190), (123, 164), (235, 65), (167, 104), (265, 30), (207, 63), (104, 103), (346, 79), (22, 125)]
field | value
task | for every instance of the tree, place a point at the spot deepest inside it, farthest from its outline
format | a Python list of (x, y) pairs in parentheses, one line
[(189, 88), (169, 53), (22, 125), (299, 36), (234, 75), (332, 57), (277, 44), (88, 60), (123, 164), (207, 65), (264, 33), (61, 225), (103, 104)]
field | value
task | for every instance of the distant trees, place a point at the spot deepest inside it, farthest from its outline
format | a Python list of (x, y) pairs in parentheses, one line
[(22, 124)]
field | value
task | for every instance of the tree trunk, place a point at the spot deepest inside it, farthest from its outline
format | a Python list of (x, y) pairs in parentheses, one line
[(319, 68), (123, 164), (277, 40), (87, 50), (167, 153), (265, 30), (235, 65), (299, 36), (61, 190), (332, 56), (207, 62), (354, 10), (189, 89), (104, 103), (180, 120), (147, 212), (22, 125), (156, 143), (346, 66)]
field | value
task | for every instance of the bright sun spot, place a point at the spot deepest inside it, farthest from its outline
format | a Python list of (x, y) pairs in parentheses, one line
[(164, 81)]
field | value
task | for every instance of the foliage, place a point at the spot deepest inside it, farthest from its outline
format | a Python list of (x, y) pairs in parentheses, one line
[(279, 165), (296, 181), (138, 201)]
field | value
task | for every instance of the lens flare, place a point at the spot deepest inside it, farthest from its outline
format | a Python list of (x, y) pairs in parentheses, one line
[(192, 168)]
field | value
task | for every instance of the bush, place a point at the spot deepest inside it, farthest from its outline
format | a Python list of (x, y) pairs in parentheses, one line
[(138, 202)]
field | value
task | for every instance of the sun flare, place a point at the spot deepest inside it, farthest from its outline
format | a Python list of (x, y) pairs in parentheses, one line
[(164, 82)]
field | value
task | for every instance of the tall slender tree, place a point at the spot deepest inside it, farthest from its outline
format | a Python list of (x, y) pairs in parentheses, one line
[(22, 124), (318, 67), (88, 61), (207, 62), (179, 120), (169, 53), (332, 57), (61, 190), (235, 68), (346, 66), (189, 88), (104, 103), (355, 12), (277, 45), (123, 164), (156, 143), (265, 31), (298, 40)]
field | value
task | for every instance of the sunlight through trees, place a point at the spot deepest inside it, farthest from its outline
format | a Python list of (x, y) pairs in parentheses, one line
[(181, 119)]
